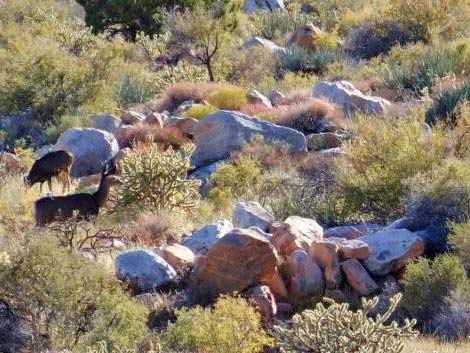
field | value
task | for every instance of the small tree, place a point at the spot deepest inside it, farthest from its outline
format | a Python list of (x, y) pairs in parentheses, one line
[(204, 30), (158, 180), (338, 329)]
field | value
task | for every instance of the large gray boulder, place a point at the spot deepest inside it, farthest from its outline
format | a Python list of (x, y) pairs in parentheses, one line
[(254, 5), (223, 132), (390, 250), (106, 122), (349, 98), (90, 147), (248, 214), (144, 270), (203, 239)]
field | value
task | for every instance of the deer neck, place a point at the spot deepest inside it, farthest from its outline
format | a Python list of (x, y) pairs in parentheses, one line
[(101, 195)]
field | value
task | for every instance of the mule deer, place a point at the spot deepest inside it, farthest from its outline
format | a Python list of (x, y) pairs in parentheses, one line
[(54, 164), (52, 208)]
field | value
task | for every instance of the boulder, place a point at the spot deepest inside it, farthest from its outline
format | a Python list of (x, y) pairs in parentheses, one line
[(239, 260), (203, 174), (144, 270), (325, 140), (256, 97), (354, 249), (130, 117), (390, 250), (305, 276), (305, 37), (248, 214), (352, 231), (270, 46), (326, 254), (358, 278), (106, 122), (178, 256), (263, 300), (250, 6), (185, 125), (12, 163), (91, 149), (350, 99), (295, 233), (203, 239), (221, 133)]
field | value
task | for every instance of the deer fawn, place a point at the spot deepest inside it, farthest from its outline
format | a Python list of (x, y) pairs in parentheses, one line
[(54, 164), (52, 208)]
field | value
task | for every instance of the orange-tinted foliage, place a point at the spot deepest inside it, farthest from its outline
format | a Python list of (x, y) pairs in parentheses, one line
[(140, 133)]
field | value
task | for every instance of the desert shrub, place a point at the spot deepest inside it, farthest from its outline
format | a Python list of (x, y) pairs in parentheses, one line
[(311, 116), (442, 17), (231, 326), (179, 92), (373, 38), (69, 300), (199, 112), (157, 180), (234, 180), (228, 98), (26, 155), (336, 328), (298, 59), (54, 130), (459, 240), (418, 66), (445, 106), (380, 158), (453, 321), (426, 284), (286, 83), (140, 134), (439, 196)]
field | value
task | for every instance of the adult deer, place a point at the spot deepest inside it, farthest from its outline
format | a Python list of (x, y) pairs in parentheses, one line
[(84, 205), (54, 164)]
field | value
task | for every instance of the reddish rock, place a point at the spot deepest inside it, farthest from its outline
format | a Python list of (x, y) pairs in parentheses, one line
[(237, 261), (354, 249), (295, 233), (358, 278), (12, 163), (178, 256), (350, 232), (305, 276), (325, 254), (264, 301)]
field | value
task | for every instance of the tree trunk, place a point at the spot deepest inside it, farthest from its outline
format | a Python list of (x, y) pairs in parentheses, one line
[(209, 71)]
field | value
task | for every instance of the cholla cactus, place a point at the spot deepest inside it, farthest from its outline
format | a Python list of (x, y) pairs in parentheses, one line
[(337, 329), (158, 180)]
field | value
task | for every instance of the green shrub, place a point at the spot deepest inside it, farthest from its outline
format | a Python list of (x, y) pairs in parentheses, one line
[(445, 106), (417, 67), (297, 59), (378, 161), (228, 98), (69, 300), (157, 180), (54, 130), (459, 240), (232, 326), (338, 329), (426, 284), (234, 180), (199, 112)]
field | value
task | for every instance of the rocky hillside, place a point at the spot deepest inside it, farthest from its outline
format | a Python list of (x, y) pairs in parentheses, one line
[(234, 177)]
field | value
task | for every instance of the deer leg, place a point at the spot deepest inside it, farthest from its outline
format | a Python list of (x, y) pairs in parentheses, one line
[(40, 188), (49, 183)]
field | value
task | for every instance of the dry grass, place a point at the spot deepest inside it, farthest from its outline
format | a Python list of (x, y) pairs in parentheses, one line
[(183, 91), (310, 116), (430, 345), (163, 137)]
